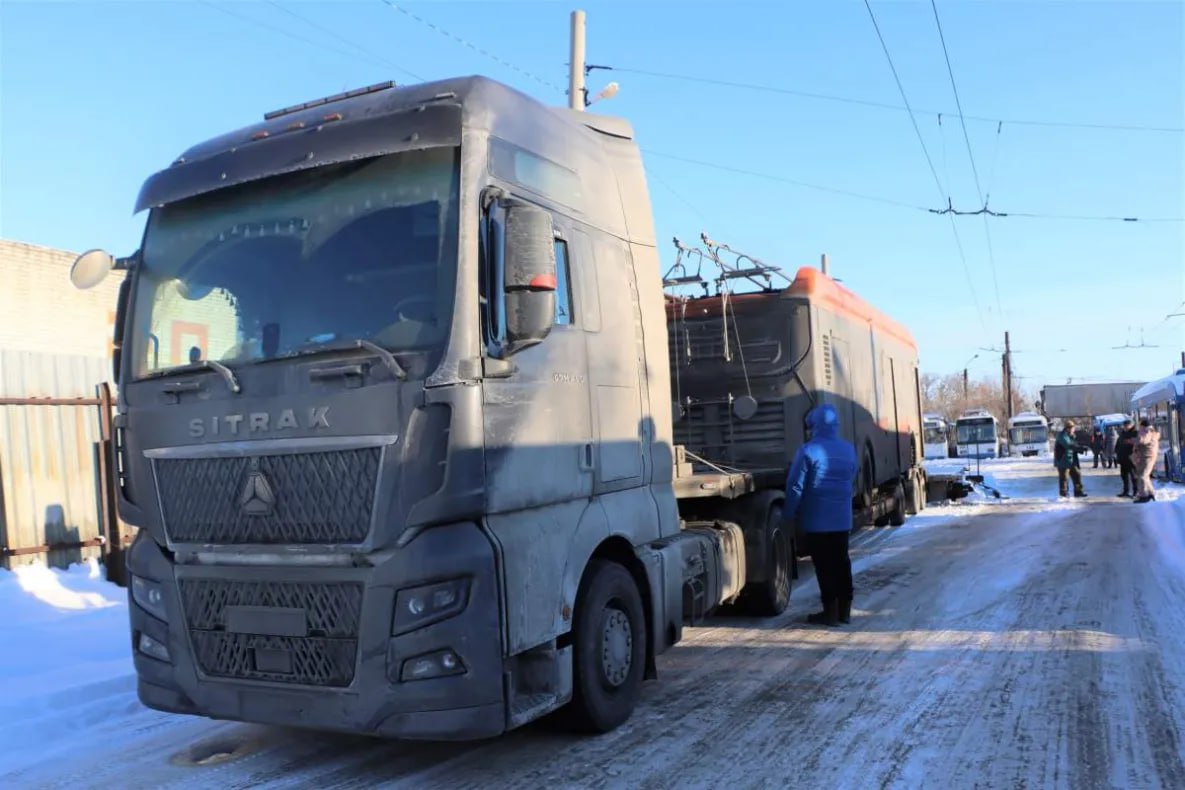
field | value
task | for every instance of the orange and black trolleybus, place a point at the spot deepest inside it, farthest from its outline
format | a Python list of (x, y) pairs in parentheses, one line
[(746, 368)]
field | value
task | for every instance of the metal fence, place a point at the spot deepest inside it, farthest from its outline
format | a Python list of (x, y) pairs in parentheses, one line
[(56, 494)]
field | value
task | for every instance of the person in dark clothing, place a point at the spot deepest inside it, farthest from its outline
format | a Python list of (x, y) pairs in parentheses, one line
[(1098, 445), (819, 492), (1124, 447), (1065, 458)]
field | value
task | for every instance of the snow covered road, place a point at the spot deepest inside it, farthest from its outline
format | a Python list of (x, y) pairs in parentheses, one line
[(1021, 642)]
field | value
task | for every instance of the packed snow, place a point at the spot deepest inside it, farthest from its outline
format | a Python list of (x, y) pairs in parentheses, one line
[(996, 642)]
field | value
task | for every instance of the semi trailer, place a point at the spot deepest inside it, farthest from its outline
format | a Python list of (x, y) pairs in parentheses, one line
[(395, 422)]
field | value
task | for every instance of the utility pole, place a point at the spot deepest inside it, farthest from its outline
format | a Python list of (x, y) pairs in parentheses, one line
[(964, 384), (576, 94), (1007, 378)]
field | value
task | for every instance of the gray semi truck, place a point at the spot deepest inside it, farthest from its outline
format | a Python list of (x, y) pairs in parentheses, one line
[(395, 424)]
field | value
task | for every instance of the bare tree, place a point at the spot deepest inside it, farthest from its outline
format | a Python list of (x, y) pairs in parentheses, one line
[(944, 395)]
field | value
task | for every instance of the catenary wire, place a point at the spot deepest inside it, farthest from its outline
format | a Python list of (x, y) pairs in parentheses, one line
[(777, 89), (348, 42), (470, 45), (971, 157), (281, 31), (929, 161)]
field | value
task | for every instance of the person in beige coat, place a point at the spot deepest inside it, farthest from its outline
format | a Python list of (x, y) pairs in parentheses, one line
[(1144, 457)]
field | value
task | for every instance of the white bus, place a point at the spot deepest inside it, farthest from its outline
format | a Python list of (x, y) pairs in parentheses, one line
[(935, 435), (1028, 434), (977, 435)]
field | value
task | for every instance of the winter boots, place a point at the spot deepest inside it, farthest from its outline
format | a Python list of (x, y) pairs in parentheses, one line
[(829, 616), (845, 611)]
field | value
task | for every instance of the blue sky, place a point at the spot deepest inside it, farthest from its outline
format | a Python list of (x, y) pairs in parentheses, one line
[(95, 96)]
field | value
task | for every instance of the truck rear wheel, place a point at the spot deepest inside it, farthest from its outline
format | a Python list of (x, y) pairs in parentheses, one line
[(769, 598), (897, 514), (609, 648), (865, 481), (915, 494)]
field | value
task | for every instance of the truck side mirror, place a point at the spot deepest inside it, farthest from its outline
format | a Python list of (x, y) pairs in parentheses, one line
[(529, 278), (91, 268)]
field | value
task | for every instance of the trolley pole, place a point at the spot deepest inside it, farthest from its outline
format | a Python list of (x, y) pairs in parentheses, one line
[(576, 94)]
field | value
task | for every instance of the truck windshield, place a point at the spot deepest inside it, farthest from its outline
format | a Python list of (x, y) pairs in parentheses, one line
[(363, 250), (981, 431)]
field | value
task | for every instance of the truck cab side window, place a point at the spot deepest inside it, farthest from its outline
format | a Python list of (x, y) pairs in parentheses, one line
[(563, 290)]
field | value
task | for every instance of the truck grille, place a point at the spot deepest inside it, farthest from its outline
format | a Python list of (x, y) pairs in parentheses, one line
[(324, 497), (325, 657)]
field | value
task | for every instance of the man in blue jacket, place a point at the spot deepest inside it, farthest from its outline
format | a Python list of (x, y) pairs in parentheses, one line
[(819, 492)]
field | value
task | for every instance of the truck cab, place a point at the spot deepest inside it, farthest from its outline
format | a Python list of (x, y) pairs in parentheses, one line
[(394, 422)]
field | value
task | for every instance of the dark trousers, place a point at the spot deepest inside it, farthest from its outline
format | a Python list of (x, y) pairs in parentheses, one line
[(1074, 475), (1127, 473), (833, 566)]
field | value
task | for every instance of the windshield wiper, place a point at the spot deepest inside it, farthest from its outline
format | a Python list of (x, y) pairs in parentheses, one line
[(227, 374), (349, 345)]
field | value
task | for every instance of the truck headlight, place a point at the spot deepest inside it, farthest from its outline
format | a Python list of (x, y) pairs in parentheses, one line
[(442, 663), (152, 648), (149, 596), (416, 607)]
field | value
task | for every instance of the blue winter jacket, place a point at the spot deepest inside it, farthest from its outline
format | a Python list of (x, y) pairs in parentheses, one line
[(819, 487)]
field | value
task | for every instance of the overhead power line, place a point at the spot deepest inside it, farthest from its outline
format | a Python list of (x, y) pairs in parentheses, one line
[(470, 45), (890, 201), (974, 170), (987, 212), (778, 89), (348, 42), (937, 182), (784, 180), (287, 33)]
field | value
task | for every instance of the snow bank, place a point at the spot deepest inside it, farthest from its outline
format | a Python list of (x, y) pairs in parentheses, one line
[(64, 628)]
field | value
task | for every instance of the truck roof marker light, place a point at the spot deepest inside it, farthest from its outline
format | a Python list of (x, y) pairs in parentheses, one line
[(543, 282), (292, 127), (261, 135), (382, 86), (330, 117)]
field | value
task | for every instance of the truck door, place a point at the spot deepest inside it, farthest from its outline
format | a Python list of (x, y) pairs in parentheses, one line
[(538, 432), (614, 369)]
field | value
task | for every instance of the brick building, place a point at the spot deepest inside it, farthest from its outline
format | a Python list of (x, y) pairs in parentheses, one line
[(42, 313)]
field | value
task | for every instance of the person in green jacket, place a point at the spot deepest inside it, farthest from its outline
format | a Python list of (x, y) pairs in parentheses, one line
[(1065, 458)]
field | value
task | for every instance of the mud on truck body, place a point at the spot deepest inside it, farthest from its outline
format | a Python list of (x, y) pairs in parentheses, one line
[(394, 421)]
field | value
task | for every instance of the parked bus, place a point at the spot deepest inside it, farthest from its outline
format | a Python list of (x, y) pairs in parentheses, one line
[(936, 436), (977, 435), (1028, 434)]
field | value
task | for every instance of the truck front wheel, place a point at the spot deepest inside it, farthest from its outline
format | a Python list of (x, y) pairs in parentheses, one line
[(609, 648)]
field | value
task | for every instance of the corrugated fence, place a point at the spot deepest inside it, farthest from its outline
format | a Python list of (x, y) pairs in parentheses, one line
[(48, 482)]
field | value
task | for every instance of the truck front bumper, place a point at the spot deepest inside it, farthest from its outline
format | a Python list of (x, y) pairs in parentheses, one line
[(408, 647)]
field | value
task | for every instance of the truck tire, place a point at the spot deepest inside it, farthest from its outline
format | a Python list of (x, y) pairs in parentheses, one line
[(609, 649), (915, 493), (897, 514), (769, 598), (867, 485)]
